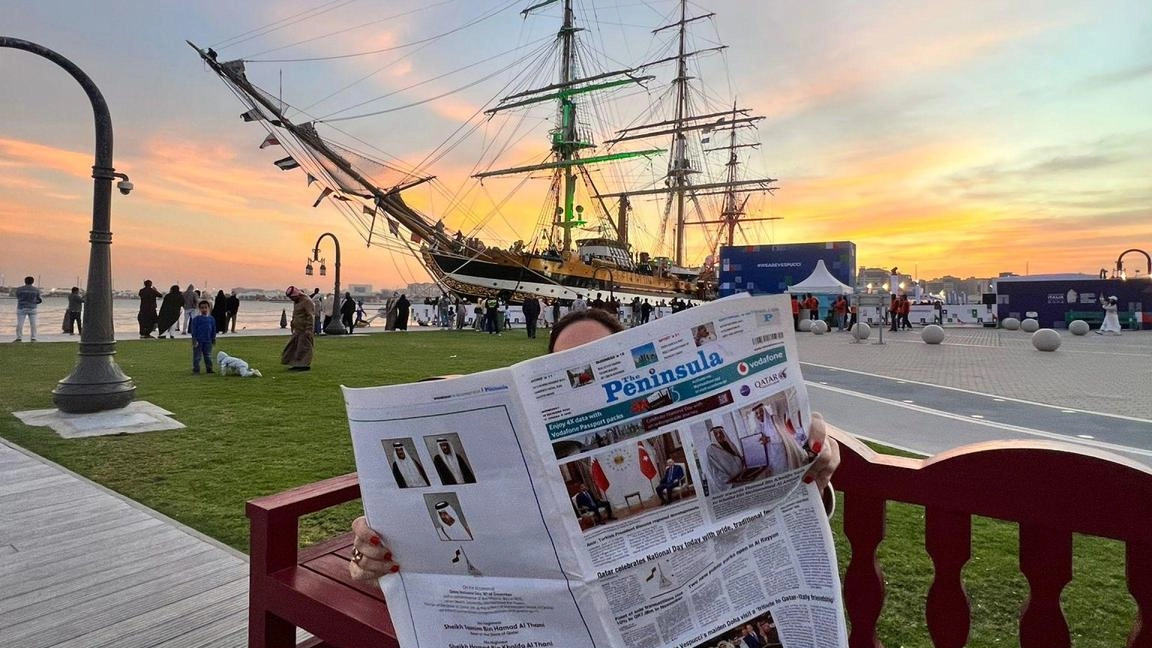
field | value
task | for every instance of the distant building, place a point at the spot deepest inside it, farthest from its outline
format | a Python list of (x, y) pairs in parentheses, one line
[(361, 290)]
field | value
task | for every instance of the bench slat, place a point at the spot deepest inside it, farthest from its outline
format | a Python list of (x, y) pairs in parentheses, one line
[(362, 620), (1046, 561), (335, 567), (948, 540)]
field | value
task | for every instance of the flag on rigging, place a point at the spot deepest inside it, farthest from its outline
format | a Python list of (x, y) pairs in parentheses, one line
[(342, 197), (416, 238), (287, 164), (368, 209), (323, 195), (646, 466), (393, 227), (252, 115), (598, 476), (269, 141), (311, 179)]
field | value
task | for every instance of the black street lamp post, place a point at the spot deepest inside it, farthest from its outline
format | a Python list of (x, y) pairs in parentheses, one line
[(96, 383), (335, 326)]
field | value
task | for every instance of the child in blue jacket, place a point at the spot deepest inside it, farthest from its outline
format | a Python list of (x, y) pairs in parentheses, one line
[(203, 329)]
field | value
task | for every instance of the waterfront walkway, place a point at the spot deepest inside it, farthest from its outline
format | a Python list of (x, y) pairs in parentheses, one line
[(83, 567)]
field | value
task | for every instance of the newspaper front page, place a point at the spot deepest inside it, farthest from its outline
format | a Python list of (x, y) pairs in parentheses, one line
[(641, 491)]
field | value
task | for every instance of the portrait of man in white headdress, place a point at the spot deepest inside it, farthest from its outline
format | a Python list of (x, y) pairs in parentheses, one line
[(406, 467), (451, 464), (450, 524)]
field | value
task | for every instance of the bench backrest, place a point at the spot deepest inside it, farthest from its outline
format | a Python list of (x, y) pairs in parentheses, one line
[(1051, 490)]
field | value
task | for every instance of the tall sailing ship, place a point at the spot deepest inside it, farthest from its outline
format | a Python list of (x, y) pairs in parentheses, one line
[(576, 250)]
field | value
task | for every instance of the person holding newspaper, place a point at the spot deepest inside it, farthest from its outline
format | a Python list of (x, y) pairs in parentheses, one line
[(371, 557)]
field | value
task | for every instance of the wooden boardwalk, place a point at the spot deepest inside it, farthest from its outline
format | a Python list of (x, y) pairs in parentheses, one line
[(82, 567)]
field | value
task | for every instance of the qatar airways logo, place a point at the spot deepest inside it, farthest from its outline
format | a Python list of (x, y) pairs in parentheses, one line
[(771, 380), (639, 384)]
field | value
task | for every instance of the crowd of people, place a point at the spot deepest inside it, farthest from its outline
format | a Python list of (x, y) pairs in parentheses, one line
[(178, 308)]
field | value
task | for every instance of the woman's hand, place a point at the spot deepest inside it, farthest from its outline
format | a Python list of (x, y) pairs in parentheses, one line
[(371, 558), (827, 453)]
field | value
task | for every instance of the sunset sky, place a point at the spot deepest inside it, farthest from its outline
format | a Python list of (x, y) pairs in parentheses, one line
[(950, 137)]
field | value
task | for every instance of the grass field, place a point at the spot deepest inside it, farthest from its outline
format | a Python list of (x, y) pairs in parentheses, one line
[(252, 437)]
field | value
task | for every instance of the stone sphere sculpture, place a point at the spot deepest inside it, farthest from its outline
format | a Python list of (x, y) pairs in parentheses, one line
[(1079, 327), (1029, 325), (932, 334), (805, 325), (1046, 340), (861, 331), (819, 327), (1010, 324)]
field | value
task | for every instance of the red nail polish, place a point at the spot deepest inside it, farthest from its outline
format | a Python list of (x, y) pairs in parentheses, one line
[(388, 556), (374, 540), (807, 479), (394, 569), (816, 447)]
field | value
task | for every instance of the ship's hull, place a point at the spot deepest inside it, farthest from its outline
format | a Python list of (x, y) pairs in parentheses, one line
[(515, 276)]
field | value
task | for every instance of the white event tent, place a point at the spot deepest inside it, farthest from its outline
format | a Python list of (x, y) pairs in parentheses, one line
[(821, 282)]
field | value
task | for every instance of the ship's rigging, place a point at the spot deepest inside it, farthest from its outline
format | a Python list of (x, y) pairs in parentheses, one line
[(370, 191)]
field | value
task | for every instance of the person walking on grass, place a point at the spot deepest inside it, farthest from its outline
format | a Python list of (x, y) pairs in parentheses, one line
[(147, 315), (231, 306), (191, 299), (298, 352), (203, 331), (531, 314), (28, 300), (220, 311), (170, 309), (348, 313)]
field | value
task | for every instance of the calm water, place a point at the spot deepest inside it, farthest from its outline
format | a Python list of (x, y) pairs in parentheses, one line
[(253, 315)]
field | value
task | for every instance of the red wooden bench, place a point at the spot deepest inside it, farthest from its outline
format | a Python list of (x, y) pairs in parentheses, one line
[(1051, 490)]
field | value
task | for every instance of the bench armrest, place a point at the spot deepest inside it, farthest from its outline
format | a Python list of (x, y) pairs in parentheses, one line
[(308, 498), (275, 519)]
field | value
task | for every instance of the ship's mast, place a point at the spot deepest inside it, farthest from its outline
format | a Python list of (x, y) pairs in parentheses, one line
[(566, 139), (680, 163), (679, 185), (566, 146)]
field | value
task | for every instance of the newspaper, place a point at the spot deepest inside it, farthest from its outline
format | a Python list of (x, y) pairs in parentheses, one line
[(641, 491)]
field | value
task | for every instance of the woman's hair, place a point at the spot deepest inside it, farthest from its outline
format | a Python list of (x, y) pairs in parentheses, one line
[(594, 314)]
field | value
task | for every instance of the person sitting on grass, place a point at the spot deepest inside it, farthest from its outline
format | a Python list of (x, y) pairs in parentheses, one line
[(371, 556), (203, 328)]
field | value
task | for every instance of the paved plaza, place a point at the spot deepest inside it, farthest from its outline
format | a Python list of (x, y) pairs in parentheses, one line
[(1107, 374), (985, 384)]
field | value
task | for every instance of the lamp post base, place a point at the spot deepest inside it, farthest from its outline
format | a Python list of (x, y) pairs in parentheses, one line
[(96, 384)]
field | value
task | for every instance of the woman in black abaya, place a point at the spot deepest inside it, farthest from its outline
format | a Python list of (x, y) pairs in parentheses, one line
[(170, 310), (220, 312)]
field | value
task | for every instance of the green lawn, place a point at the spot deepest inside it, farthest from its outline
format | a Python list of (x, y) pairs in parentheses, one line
[(252, 437)]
